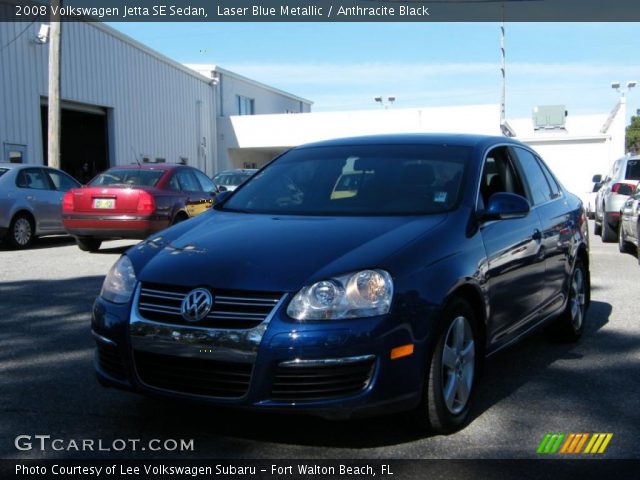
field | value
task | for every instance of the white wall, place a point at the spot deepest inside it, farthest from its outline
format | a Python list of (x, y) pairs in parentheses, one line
[(265, 101), (259, 138), (153, 100), (588, 146)]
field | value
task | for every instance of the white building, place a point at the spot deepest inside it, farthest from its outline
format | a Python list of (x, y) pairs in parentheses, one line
[(583, 146), (121, 101)]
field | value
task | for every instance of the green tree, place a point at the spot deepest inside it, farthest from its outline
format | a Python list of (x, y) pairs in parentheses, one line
[(633, 135)]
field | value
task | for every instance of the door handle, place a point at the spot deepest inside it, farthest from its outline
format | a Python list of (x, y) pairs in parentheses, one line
[(537, 235), (29, 197)]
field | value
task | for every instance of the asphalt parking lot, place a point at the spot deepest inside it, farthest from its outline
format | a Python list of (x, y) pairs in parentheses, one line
[(48, 385)]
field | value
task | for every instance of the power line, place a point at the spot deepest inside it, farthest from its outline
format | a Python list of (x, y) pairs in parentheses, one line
[(17, 36)]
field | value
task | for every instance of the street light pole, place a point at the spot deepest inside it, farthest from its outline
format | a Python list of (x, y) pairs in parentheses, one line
[(53, 134)]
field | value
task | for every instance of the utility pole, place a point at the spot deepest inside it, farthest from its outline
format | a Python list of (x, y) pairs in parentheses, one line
[(503, 70), (53, 134)]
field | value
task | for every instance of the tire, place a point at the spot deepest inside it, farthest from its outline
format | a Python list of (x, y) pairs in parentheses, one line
[(623, 245), (180, 217), (608, 233), (88, 244), (568, 327), (21, 231), (450, 384)]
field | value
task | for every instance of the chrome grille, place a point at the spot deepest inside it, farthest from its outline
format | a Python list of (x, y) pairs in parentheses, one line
[(232, 309)]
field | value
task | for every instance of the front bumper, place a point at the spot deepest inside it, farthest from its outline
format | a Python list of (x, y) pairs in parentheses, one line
[(111, 226), (340, 351)]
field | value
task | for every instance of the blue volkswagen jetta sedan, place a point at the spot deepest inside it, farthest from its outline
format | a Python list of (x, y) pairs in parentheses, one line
[(351, 277)]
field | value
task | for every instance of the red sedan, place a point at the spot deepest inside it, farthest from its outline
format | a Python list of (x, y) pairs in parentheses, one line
[(134, 201)]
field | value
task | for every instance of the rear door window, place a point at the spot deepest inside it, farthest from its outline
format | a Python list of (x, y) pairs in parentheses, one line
[(33, 178), (538, 184), (553, 184), (188, 182), (205, 182)]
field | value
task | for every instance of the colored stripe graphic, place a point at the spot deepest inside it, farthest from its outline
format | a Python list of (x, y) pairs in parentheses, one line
[(574, 443), (598, 443), (552, 443)]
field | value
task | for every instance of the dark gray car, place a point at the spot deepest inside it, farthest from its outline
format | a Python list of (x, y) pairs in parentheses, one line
[(31, 202)]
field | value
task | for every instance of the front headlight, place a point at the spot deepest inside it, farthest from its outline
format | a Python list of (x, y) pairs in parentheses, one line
[(363, 294), (120, 281)]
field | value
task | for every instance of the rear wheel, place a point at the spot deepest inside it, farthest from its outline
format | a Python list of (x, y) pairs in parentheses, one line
[(608, 233), (451, 372), (88, 244), (21, 231), (569, 326), (180, 217)]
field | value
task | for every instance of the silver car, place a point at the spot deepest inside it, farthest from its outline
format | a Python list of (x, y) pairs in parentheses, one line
[(629, 233), (229, 180), (31, 202), (616, 187)]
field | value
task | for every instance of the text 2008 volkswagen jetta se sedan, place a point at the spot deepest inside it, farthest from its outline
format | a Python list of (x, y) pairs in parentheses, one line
[(351, 276)]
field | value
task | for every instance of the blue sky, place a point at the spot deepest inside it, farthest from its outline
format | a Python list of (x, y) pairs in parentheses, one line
[(342, 66)]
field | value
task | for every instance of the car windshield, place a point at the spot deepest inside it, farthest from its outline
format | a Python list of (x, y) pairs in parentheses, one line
[(633, 170), (357, 180), (231, 179), (127, 177)]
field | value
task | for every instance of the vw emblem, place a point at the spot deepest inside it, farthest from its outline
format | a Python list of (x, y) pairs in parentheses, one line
[(196, 305)]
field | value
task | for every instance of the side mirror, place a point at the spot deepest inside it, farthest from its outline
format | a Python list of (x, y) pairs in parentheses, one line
[(221, 188), (503, 206), (597, 179), (222, 196)]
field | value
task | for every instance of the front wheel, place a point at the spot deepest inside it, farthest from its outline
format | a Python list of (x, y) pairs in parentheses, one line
[(88, 244), (452, 368)]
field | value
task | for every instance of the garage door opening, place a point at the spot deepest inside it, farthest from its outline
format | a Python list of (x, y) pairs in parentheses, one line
[(84, 141)]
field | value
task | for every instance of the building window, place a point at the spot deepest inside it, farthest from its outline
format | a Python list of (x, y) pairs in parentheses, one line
[(183, 160), (246, 105), (161, 160)]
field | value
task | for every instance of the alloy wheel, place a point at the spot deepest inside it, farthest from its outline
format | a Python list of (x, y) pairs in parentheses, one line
[(577, 299), (22, 231), (458, 365)]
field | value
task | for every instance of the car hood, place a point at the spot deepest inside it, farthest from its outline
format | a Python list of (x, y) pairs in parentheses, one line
[(272, 253)]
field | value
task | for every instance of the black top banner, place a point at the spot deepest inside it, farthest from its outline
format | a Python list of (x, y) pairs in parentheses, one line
[(323, 10)]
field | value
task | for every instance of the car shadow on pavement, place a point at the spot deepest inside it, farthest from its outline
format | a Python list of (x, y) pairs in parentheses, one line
[(106, 250), (49, 386), (44, 242)]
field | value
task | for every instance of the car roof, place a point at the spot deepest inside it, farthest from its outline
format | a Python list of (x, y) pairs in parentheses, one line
[(146, 166), (17, 166), (237, 170), (455, 139)]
